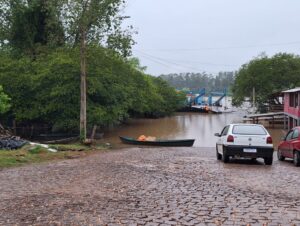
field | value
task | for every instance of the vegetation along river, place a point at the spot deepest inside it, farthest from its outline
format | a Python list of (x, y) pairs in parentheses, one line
[(197, 126)]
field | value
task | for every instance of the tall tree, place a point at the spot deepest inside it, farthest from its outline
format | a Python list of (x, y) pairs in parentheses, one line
[(267, 75), (93, 21)]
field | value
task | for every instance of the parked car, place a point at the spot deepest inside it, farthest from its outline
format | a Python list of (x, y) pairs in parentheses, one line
[(289, 147), (245, 140)]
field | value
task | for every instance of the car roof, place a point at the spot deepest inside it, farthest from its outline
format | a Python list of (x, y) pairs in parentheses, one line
[(245, 124)]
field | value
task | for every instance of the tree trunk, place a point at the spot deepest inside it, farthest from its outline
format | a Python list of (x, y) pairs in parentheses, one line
[(83, 86)]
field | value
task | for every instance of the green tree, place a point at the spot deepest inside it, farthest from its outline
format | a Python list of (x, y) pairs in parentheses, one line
[(267, 75), (30, 24), (4, 101), (92, 21)]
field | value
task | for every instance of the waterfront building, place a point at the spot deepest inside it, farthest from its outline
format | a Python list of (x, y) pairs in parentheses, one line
[(292, 108)]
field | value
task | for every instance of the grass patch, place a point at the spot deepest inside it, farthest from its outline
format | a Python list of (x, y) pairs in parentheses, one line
[(37, 154), (70, 147)]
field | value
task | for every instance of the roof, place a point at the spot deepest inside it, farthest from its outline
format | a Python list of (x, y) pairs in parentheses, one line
[(297, 89)]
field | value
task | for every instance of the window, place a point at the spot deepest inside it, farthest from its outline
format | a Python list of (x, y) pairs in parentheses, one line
[(225, 131), (248, 130), (292, 99), (295, 134), (296, 100), (289, 135)]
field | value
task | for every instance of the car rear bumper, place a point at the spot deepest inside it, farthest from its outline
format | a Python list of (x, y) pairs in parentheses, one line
[(261, 152)]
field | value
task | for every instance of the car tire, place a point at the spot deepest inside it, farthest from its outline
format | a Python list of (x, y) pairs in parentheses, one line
[(296, 158), (280, 156), (219, 156), (268, 161), (225, 157)]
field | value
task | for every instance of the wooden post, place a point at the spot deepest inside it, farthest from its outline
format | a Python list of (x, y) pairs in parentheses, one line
[(14, 127), (94, 132)]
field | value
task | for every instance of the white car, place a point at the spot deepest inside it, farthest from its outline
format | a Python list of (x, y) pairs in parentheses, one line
[(245, 140)]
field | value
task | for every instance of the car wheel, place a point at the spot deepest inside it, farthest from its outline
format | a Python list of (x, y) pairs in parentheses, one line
[(268, 161), (219, 156), (280, 156), (225, 157), (296, 158)]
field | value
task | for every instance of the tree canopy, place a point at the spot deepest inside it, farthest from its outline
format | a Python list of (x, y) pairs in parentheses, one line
[(46, 90), (267, 75)]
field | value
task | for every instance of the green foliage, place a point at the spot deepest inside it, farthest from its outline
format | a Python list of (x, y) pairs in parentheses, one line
[(47, 89), (4, 101), (28, 25), (36, 150), (267, 75)]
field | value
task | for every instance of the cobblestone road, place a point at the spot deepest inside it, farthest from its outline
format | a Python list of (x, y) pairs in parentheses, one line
[(173, 186)]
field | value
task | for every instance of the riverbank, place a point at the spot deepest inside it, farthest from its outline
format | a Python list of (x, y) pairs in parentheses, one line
[(30, 155)]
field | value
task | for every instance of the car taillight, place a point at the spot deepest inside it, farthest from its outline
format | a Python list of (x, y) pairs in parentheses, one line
[(230, 138), (269, 140)]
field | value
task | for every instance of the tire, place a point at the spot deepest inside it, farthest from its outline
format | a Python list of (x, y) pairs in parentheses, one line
[(219, 156), (268, 161), (225, 157), (296, 158), (280, 156)]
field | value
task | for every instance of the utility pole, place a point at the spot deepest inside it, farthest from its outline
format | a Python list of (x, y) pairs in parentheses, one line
[(253, 104)]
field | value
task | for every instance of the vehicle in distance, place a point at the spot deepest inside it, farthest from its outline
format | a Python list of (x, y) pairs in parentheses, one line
[(289, 147), (246, 141)]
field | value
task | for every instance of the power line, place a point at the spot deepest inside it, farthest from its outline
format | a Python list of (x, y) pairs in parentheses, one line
[(225, 48), (170, 62)]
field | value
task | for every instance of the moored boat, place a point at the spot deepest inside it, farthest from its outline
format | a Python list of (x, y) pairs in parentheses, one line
[(165, 143)]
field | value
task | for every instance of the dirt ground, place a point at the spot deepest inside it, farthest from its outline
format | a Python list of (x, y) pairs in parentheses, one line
[(151, 186)]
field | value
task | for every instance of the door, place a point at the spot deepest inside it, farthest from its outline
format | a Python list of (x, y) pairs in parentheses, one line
[(284, 148), (292, 143), (222, 139)]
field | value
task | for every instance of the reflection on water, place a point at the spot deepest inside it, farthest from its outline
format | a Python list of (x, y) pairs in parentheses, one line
[(181, 126)]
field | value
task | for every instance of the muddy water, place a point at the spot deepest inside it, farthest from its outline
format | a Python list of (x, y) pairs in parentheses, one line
[(181, 126)]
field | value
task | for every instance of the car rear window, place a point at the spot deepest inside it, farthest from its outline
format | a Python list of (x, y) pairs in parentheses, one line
[(248, 130)]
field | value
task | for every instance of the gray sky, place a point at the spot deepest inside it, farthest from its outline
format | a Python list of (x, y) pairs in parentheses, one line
[(211, 35)]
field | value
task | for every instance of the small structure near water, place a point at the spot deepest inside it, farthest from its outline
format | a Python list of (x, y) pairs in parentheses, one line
[(292, 108), (289, 115)]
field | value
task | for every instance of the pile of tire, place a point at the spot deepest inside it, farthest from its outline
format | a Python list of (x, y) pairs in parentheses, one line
[(11, 143)]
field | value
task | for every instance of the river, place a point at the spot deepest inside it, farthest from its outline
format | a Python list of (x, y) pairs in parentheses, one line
[(201, 127)]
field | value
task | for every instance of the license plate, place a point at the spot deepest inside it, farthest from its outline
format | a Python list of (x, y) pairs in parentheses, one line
[(250, 150)]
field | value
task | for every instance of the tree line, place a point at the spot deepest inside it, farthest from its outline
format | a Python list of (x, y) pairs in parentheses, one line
[(196, 81), (267, 75), (68, 64)]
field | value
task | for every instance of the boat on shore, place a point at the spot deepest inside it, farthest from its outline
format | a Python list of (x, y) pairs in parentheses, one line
[(164, 143)]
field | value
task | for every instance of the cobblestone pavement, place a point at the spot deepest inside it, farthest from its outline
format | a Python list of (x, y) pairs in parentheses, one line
[(171, 186)]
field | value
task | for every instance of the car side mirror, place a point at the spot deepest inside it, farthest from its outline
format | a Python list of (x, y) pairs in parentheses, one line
[(217, 135)]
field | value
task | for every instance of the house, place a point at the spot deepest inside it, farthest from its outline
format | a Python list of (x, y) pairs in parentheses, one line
[(292, 107)]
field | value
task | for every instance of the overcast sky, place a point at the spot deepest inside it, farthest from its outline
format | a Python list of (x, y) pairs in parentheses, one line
[(211, 35)]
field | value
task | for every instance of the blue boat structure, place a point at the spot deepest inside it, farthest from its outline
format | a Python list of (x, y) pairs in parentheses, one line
[(210, 104)]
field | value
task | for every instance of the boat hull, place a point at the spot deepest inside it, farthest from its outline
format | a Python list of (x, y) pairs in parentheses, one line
[(164, 143)]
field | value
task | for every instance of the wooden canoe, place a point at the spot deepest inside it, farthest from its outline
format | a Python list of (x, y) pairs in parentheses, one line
[(165, 143)]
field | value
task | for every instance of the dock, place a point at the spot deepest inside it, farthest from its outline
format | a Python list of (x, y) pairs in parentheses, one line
[(272, 117)]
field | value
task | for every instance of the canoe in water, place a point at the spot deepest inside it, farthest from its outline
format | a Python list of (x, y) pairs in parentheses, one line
[(165, 143)]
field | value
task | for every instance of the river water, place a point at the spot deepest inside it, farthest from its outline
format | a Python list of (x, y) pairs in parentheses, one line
[(199, 126)]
